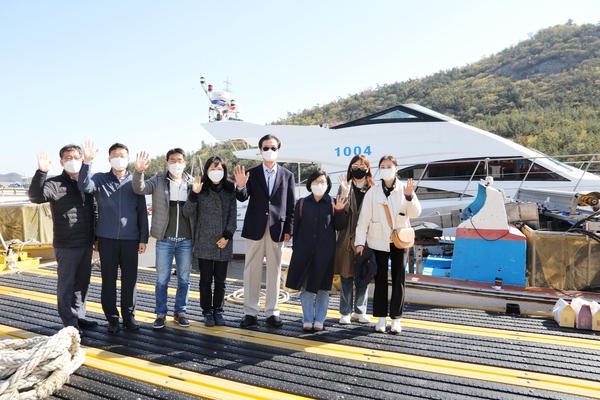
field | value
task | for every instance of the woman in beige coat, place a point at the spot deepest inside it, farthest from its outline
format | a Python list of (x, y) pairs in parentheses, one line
[(354, 185), (374, 231)]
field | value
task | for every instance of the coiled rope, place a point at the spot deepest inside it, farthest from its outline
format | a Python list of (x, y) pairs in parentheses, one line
[(37, 367), (237, 297)]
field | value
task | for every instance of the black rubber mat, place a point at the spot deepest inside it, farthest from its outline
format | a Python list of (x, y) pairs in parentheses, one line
[(307, 374)]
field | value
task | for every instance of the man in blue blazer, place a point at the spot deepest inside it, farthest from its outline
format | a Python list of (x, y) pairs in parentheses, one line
[(268, 223)]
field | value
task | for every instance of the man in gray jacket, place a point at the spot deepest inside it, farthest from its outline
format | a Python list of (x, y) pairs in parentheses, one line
[(122, 231), (171, 229)]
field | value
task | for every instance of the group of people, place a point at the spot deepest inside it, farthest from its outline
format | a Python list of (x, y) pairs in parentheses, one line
[(197, 217)]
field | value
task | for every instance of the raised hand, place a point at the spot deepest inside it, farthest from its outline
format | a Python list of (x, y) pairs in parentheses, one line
[(410, 187), (44, 163), (241, 176), (340, 202), (343, 181), (142, 161), (89, 151), (197, 184)]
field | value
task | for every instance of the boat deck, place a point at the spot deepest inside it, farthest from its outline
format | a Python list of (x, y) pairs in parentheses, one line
[(442, 352)]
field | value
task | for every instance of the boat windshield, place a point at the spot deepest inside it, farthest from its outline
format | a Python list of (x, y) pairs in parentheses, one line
[(399, 114)]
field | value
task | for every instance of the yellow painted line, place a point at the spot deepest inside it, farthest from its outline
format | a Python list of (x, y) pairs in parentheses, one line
[(507, 376), (168, 377), (549, 339)]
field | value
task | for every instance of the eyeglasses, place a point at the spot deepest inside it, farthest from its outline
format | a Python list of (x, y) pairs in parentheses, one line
[(113, 157), (269, 148), (357, 167), (175, 161), (71, 158)]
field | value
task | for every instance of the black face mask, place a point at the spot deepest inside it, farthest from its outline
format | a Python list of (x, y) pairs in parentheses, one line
[(359, 174)]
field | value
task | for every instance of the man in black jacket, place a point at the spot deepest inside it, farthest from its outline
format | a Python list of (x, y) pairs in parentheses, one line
[(73, 227)]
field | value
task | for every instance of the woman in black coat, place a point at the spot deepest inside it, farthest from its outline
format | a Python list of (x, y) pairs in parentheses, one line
[(316, 218)]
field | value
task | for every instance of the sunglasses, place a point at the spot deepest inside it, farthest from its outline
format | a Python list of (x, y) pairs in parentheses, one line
[(269, 148), (357, 167)]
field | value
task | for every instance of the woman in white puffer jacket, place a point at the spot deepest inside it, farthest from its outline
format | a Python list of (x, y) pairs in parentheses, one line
[(374, 231)]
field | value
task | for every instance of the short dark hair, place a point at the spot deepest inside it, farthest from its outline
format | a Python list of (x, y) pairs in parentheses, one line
[(117, 146), (206, 182), (176, 150), (268, 137), (70, 147), (314, 176), (388, 157)]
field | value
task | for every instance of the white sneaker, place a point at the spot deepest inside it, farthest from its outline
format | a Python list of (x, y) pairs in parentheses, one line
[(362, 318), (318, 326), (381, 324), (345, 320), (396, 326)]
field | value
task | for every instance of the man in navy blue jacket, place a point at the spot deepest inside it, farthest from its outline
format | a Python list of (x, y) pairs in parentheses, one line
[(122, 231), (73, 222), (267, 224)]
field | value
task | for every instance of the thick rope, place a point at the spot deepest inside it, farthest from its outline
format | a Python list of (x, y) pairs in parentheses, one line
[(237, 297), (35, 368)]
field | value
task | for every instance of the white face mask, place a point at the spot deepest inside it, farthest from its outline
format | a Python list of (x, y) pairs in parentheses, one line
[(176, 169), (387, 174), (270, 155), (73, 166), (318, 189), (119, 163), (215, 175)]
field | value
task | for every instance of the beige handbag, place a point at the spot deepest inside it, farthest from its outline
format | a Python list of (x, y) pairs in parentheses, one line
[(402, 238)]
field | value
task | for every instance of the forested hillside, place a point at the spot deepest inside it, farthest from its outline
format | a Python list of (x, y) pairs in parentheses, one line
[(543, 93)]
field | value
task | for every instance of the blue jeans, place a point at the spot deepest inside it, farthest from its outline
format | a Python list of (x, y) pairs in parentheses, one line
[(314, 311), (346, 297), (181, 249)]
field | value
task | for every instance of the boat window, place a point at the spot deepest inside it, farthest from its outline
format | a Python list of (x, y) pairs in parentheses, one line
[(395, 114), (398, 114), (516, 169)]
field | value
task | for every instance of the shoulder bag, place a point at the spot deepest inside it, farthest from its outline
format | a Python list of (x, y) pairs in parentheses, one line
[(402, 238)]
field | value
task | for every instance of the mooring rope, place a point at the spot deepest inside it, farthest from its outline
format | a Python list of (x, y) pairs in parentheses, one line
[(237, 297), (37, 367)]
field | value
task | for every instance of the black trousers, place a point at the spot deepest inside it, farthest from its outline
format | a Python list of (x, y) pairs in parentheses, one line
[(115, 253), (380, 296), (74, 270), (210, 269)]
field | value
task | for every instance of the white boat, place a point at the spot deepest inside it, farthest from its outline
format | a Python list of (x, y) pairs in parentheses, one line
[(445, 156)]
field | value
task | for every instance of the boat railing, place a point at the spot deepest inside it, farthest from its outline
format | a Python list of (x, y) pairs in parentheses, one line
[(535, 168), (9, 194)]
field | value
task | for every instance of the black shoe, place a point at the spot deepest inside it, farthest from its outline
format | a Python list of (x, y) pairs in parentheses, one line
[(86, 323), (159, 323), (113, 327), (79, 330), (275, 321), (131, 324), (219, 320), (248, 320)]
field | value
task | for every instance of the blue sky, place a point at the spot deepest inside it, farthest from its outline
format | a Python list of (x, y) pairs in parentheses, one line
[(128, 71)]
